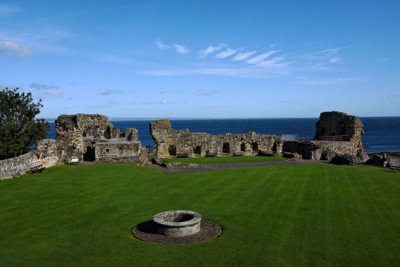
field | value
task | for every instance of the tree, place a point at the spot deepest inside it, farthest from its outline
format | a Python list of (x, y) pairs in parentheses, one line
[(19, 130)]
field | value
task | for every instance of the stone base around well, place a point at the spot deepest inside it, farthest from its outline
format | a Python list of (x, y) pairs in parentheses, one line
[(148, 231)]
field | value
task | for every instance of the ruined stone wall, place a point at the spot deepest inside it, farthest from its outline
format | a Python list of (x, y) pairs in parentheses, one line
[(46, 154), (335, 123), (117, 152), (71, 129), (81, 136), (93, 138), (175, 143), (331, 125)]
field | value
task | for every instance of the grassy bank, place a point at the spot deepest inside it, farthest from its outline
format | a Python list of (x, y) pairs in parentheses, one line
[(205, 160), (302, 215)]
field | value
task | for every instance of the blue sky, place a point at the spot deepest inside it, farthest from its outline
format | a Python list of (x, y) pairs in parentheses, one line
[(204, 59)]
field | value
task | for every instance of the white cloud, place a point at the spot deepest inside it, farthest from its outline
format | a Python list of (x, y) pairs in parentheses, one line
[(6, 9), (162, 46), (330, 81), (260, 58), (203, 93), (109, 92), (243, 56), (39, 86), (18, 48), (209, 50), (162, 102), (226, 53), (179, 48), (271, 61), (334, 60), (52, 93), (178, 72), (166, 101)]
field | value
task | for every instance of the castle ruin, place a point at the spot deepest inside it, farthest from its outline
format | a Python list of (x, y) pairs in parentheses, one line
[(337, 135), (92, 138), (79, 138)]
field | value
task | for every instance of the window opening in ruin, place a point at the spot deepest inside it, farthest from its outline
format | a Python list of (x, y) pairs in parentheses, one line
[(197, 150), (341, 128), (274, 147), (107, 150), (226, 148), (84, 133), (172, 150), (254, 146), (107, 133), (90, 154), (243, 147)]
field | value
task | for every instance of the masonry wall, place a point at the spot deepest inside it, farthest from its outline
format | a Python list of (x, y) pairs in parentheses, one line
[(175, 143), (118, 152), (46, 154)]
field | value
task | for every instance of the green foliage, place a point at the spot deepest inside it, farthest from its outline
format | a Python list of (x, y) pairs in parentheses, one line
[(19, 130), (297, 215), (206, 160)]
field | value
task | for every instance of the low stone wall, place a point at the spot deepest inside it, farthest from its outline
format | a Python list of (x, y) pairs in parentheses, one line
[(46, 155)]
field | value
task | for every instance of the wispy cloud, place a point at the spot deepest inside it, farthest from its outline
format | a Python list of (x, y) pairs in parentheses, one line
[(271, 62), (40, 86), (330, 55), (162, 102), (179, 48), (203, 93), (52, 93), (16, 48), (334, 60), (108, 105), (226, 53), (211, 49), (243, 56), (166, 102), (112, 58), (329, 81), (385, 97), (260, 58), (109, 92), (6, 9)]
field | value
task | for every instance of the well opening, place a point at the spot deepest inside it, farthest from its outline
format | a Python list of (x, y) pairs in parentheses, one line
[(178, 217)]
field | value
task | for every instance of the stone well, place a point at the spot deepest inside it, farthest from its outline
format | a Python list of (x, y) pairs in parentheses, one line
[(177, 223)]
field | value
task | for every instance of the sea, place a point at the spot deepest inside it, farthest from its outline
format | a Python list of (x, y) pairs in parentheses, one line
[(382, 134)]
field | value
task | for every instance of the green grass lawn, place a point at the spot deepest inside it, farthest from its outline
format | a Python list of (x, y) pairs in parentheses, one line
[(299, 215), (205, 160)]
